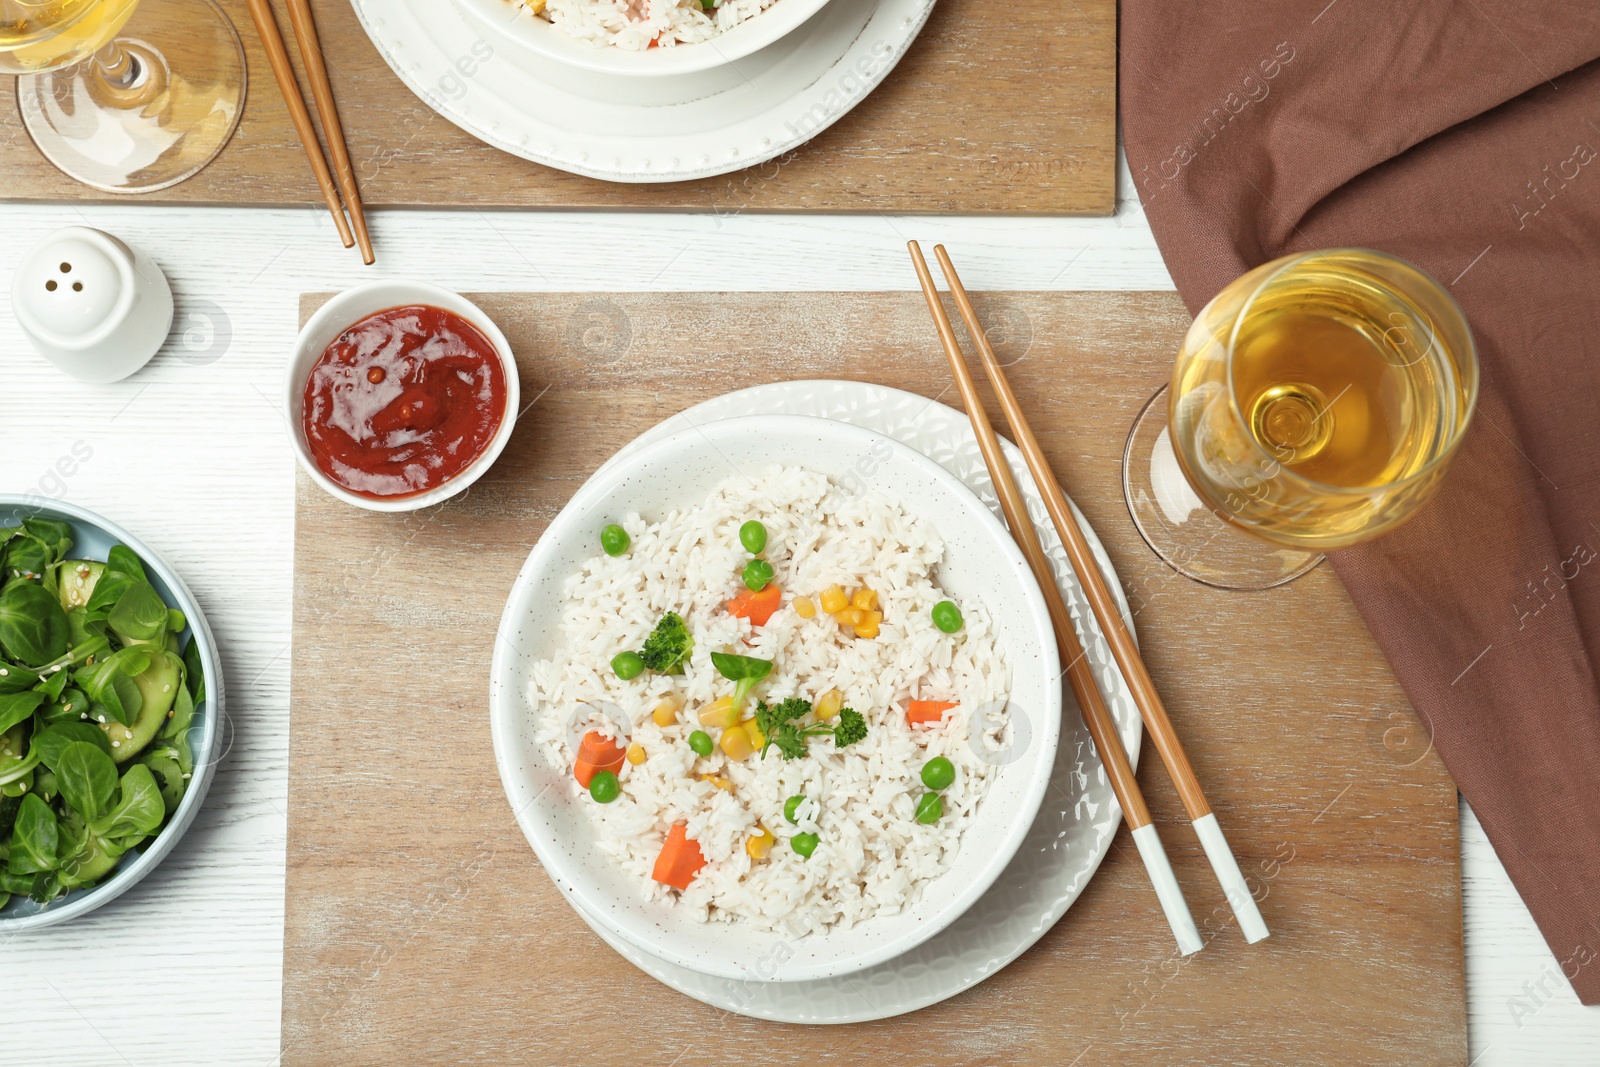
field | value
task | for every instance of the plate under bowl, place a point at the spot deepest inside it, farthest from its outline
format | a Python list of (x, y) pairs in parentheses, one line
[(981, 564)]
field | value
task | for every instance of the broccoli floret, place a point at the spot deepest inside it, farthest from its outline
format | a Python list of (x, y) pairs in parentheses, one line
[(667, 649)]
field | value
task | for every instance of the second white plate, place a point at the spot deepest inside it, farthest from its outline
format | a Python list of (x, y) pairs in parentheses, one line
[(1080, 815), (474, 73)]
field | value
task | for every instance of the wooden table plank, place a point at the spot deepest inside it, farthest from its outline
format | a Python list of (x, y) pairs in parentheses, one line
[(420, 927), (965, 124)]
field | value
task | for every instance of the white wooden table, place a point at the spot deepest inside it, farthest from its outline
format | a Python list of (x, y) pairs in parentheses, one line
[(190, 454)]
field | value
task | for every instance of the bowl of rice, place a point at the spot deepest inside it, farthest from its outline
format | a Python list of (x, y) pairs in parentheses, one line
[(643, 38), (917, 747)]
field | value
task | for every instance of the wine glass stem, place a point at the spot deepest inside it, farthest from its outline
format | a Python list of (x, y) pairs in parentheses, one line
[(118, 67)]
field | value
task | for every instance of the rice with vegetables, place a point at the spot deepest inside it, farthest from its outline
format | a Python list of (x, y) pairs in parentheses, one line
[(639, 24), (768, 707)]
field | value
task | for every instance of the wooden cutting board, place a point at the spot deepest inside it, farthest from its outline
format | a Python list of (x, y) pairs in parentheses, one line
[(420, 927), (1013, 114)]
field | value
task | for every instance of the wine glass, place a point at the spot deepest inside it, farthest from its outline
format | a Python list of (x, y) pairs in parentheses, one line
[(1315, 403), (124, 95)]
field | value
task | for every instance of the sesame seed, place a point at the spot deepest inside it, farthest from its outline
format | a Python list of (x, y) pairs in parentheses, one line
[(116, 744), (186, 775), (102, 718), (166, 689), (3, 672)]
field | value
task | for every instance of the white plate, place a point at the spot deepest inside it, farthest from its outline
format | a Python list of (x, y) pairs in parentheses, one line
[(627, 129), (981, 565), (1079, 817)]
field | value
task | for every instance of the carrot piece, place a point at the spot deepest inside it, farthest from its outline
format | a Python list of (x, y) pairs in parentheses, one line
[(680, 859), (927, 710), (757, 607), (597, 753)]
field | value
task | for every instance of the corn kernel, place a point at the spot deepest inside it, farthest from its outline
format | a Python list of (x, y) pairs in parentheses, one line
[(736, 744), (760, 844), (717, 780), (665, 713), (636, 753), (865, 599), (720, 712), (828, 704), (851, 617), (758, 740), (804, 608), (867, 630), (834, 600)]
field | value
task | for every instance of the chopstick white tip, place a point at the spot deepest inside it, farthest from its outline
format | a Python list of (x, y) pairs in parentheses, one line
[(1168, 892), (1240, 899)]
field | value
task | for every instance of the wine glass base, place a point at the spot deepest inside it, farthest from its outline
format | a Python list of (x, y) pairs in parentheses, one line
[(171, 120), (1181, 529)]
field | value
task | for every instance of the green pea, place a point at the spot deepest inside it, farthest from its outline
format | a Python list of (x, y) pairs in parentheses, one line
[(753, 536), (700, 741), (792, 805), (603, 787), (805, 844), (938, 773), (757, 573), (614, 540), (627, 665), (946, 616), (930, 808)]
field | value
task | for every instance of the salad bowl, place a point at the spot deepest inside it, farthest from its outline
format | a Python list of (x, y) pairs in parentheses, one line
[(93, 537)]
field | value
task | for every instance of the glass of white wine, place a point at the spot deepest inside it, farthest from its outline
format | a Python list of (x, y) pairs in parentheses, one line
[(1316, 403), (124, 95)]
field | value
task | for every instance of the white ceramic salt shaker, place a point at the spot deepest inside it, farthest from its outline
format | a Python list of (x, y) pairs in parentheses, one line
[(92, 305)]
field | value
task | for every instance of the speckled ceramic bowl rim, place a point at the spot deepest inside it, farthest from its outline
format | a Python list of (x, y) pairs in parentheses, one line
[(210, 714), (508, 700), (344, 310)]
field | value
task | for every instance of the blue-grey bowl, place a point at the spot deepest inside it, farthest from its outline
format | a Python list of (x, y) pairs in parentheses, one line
[(92, 538)]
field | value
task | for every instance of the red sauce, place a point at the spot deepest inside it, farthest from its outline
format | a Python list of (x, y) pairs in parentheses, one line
[(403, 401)]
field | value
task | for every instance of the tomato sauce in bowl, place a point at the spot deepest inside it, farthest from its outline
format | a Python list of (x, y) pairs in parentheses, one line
[(403, 401)]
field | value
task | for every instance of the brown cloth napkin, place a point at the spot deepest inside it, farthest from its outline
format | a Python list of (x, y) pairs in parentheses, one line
[(1464, 137)]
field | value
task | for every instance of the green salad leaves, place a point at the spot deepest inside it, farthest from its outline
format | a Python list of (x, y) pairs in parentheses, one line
[(97, 696)]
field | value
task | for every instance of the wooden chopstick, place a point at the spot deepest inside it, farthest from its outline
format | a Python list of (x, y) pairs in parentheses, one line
[(305, 32), (1093, 706), (278, 57), (1106, 610)]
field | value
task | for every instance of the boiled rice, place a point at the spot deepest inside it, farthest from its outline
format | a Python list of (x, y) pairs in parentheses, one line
[(874, 858)]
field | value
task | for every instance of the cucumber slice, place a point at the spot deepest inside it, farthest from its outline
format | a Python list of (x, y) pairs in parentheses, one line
[(158, 685), (77, 582)]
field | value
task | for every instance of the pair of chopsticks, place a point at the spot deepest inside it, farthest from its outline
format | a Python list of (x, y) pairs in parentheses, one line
[(1096, 716), (305, 32)]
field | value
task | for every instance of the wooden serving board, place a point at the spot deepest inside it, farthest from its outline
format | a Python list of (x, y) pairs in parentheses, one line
[(1013, 114), (420, 927)]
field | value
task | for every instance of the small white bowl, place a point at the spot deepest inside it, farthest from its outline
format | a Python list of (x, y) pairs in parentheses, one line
[(541, 37), (981, 564), (343, 312)]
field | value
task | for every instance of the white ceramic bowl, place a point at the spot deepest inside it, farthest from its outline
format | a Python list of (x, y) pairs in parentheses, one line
[(502, 19), (344, 311), (981, 564), (92, 538)]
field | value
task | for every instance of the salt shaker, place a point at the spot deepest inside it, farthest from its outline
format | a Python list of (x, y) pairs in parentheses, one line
[(92, 305)]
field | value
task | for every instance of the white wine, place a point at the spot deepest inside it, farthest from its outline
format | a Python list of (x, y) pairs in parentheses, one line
[(1316, 398), (41, 35)]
